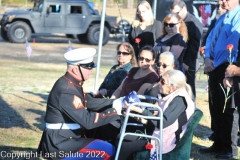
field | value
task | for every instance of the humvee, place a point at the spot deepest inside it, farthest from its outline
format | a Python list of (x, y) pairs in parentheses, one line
[(70, 17)]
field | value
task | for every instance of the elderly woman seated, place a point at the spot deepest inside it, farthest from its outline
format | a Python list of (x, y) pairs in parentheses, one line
[(177, 105)]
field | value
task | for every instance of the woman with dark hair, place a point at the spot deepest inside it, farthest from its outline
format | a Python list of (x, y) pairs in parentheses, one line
[(126, 60), (139, 78), (174, 37), (144, 30)]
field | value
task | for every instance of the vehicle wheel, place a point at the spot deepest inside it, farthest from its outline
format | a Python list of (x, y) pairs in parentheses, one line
[(94, 32), (18, 32), (4, 34), (82, 38)]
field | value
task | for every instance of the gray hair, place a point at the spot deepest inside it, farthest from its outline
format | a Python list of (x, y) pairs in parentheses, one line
[(173, 58), (169, 55), (178, 80)]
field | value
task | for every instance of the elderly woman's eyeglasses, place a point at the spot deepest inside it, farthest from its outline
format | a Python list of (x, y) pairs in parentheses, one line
[(159, 64), (142, 58), (162, 81), (88, 65), (123, 53), (169, 24)]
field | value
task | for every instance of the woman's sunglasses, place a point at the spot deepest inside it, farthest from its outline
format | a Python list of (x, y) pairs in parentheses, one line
[(88, 65), (142, 58), (123, 53), (169, 24), (159, 64)]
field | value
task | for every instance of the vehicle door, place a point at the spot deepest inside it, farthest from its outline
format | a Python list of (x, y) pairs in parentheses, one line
[(55, 15), (75, 17)]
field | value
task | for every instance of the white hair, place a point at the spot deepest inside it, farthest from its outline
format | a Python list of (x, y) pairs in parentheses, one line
[(169, 56), (178, 80)]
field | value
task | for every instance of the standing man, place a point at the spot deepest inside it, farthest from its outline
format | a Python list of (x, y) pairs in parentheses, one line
[(220, 11), (225, 32), (195, 30), (68, 114)]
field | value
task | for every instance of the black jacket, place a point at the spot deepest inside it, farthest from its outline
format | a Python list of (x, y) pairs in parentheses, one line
[(195, 30)]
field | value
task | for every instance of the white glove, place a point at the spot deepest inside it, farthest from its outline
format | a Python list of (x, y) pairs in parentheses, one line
[(118, 104)]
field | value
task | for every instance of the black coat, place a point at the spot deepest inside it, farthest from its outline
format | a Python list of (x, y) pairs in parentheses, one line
[(67, 104), (195, 30)]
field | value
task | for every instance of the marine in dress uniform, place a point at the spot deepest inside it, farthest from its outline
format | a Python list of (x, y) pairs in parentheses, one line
[(67, 115)]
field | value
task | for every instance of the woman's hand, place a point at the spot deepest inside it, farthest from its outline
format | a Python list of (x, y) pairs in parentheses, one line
[(141, 120), (185, 67), (133, 108), (103, 92)]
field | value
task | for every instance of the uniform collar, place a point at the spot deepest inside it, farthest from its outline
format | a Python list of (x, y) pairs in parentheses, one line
[(72, 79)]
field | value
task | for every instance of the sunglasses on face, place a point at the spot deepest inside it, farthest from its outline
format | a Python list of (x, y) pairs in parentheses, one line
[(169, 24), (142, 58), (88, 65), (159, 64), (123, 53)]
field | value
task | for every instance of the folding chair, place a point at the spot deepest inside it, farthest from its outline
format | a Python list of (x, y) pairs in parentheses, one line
[(183, 147), (123, 132)]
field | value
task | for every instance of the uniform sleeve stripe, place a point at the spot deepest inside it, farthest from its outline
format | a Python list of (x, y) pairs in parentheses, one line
[(96, 118)]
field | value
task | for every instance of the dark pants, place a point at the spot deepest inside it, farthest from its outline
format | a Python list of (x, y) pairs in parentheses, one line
[(130, 145), (224, 125), (191, 76)]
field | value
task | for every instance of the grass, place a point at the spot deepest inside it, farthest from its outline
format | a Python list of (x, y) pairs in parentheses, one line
[(24, 87)]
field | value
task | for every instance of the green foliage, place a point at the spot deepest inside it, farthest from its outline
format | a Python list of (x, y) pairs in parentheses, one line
[(9, 2)]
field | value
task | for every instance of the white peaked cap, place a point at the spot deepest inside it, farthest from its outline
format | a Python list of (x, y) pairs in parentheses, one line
[(80, 56)]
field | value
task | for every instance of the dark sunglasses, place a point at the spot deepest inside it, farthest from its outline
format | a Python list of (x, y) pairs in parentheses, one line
[(142, 58), (159, 64), (88, 65), (169, 24), (123, 53)]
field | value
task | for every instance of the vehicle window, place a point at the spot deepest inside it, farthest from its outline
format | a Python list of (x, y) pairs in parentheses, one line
[(56, 8), (38, 6), (76, 9)]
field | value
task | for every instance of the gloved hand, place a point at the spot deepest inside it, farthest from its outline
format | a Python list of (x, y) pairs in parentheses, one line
[(118, 105)]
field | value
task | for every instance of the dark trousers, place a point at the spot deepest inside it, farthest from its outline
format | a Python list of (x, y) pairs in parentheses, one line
[(191, 76), (224, 125), (130, 145)]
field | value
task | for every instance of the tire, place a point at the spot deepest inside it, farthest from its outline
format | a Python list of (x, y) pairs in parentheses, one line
[(4, 34), (94, 32), (82, 38), (18, 32)]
